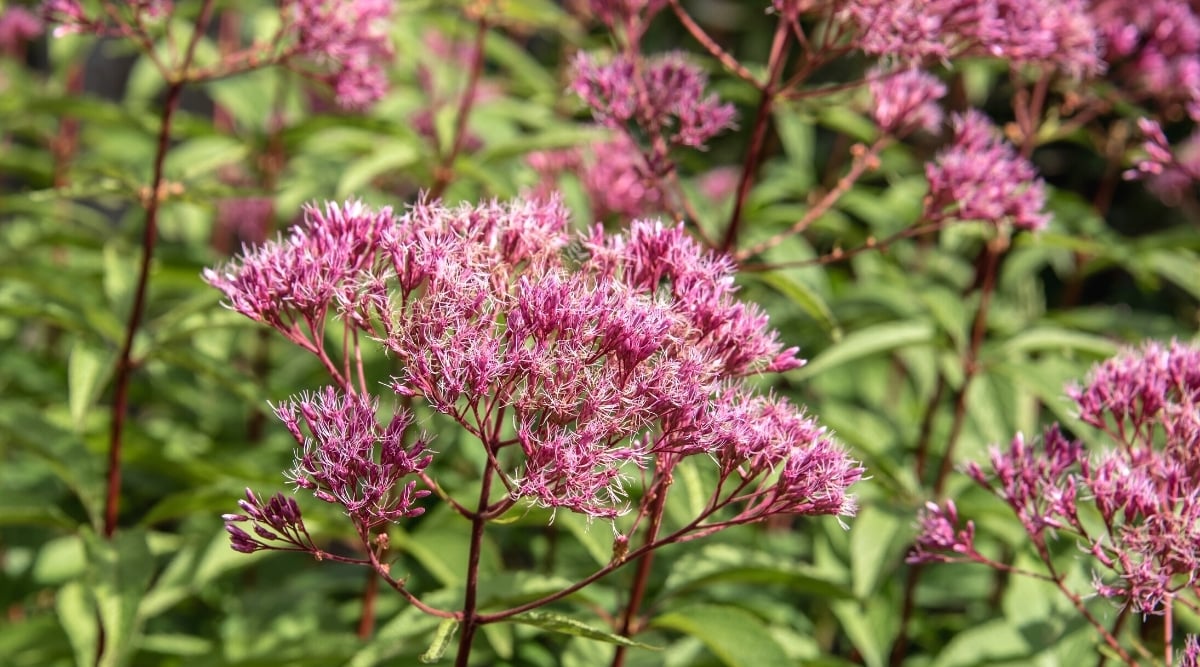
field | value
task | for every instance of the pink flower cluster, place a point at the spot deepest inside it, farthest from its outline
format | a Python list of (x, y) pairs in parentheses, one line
[(906, 101), (72, 18), (575, 360), (18, 26), (1169, 171), (616, 176), (662, 96), (1152, 46), (1144, 490), (1057, 34), (346, 457), (347, 43), (981, 177)]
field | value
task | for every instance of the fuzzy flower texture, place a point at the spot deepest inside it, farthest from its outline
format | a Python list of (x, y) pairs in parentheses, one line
[(1145, 490), (575, 361)]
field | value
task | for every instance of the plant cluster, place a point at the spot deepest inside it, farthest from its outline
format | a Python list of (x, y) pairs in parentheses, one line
[(549, 268)]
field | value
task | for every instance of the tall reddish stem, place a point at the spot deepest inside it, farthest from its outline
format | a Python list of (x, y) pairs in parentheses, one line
[(125, 361)]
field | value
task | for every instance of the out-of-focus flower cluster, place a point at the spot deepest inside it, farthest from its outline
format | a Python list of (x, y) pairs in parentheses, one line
[(1152, 47), (577, 359), (18, 26), (1058, 34), (347, 44), (1169, 171), (659, 97), (1145, 490), (980, 176), (906, 101), (616, 176)]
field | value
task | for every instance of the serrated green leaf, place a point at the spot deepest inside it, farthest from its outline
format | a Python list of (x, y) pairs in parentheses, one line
[(442, 638), (566, 625), (737, 637)]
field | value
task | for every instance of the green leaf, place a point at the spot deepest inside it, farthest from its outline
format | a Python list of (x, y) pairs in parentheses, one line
[(566, 625), (596, 539), (737, 637), (120, 273), (88, 370), (441, 641), (121, 570), (1058, 339), (872, 544), (853, 619), (809, 301), (985, 644), (867, 342), (1178, 266), (77, 614), (717, 563), (389, 157)]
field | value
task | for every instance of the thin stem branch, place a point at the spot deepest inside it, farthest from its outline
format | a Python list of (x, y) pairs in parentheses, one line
[(641, 577), (470, 613), (775, 64), (728, 61), (444, 171), (864, 158), (991, 260), (125, 362)]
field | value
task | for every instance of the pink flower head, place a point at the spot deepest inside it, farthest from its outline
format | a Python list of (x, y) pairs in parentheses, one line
[(1058, 33), (981, 177), (940, 537), (663, 96), (906, 101), (276, 523), (1139, 391), (69, 16), (1144, 491), (296, 280), (1153, 47), (18, 26), (1191, 652), (1169, 171), (347, 42), (347, 457)]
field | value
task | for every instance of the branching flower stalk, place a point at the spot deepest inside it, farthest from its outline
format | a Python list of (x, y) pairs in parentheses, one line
[(1132, 508), (571, 361), (306, 29)]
